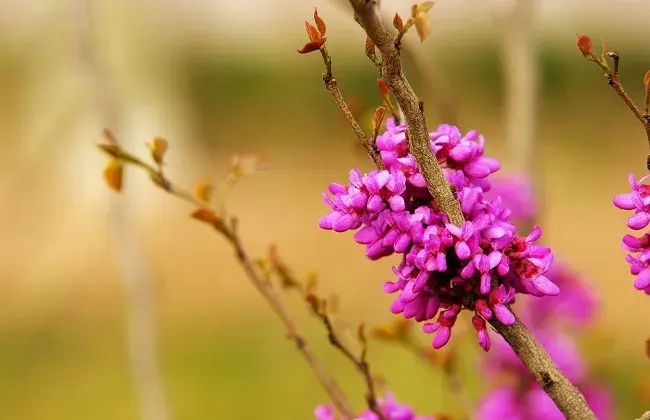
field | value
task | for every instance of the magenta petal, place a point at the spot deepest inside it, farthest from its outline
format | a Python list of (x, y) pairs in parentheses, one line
[(397, 203), (545, 286), (503, 314), (462, 250), (642, 280), (442, 337), (625, 201), (638, 221)]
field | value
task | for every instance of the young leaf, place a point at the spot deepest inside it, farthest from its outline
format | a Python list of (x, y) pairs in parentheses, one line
[(320, 23), (158, 149), (114, 173), (585, 45), (398, 23), (378, 118), (203, 191), (312, 32), (312, 46), (646, 80), (207, 216)]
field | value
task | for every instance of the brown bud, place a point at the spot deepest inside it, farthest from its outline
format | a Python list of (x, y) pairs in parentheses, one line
[(312, 46), (585, 45), (361, 333), (312, 31), (398, 23), (647, 348), (646, 80), (320, 23)]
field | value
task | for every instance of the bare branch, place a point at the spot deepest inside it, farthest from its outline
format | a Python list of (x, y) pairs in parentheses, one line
[(412, 107), (204, 212), (567, 398), (645, 416)]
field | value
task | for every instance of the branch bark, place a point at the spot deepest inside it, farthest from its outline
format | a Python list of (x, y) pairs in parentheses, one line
[(567, 398), (645, 416)]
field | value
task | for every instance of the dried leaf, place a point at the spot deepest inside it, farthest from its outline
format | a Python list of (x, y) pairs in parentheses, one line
[(207, 216), (114, 174), (378, 118), (312, 32), (422, 25), (203, 191), (398, 23), (320, 23), (585, 45), (361, 333), (158, 149), (370, 49)]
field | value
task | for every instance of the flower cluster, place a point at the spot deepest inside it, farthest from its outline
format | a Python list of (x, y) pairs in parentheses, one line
[(444, 269), (575, 307), (638, 247), (389, 407)]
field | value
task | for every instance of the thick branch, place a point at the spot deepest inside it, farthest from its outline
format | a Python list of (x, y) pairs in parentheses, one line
[(568, 399), (411, 106), (645, 416)]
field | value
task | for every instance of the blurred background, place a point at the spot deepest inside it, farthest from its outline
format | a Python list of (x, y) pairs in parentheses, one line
[(217, 78)]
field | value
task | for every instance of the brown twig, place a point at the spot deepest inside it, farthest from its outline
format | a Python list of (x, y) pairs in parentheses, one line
[(321, 308), (567, 398), (413, 108), (360, 362), (614, 81), (333, 88), (229, 230)]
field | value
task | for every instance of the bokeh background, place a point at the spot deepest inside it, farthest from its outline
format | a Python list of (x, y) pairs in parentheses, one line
[(217, 78)]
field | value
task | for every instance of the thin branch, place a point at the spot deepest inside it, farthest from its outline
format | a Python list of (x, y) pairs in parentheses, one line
[(321, 308), (228, 228), (360, 362), (567, 398), (135, 273), (413, 108), (613, 80), (333, 88)]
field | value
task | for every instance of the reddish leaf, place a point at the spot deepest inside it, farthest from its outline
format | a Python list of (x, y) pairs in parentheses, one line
[(312, 31), (113, 174), (585, 45), (312, 46), (320, 23), (384, 91), (398, 23), (206, 216)]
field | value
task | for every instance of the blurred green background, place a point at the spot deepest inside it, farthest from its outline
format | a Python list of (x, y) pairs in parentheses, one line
[(216, 80)]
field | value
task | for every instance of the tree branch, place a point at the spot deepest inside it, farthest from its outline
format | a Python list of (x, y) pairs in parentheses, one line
[(333, 88), (567, 398), (205, 213), (645, 416), (412, 107)]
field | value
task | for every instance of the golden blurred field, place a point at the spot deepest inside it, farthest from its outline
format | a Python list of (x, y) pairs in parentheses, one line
[(223, 354)]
